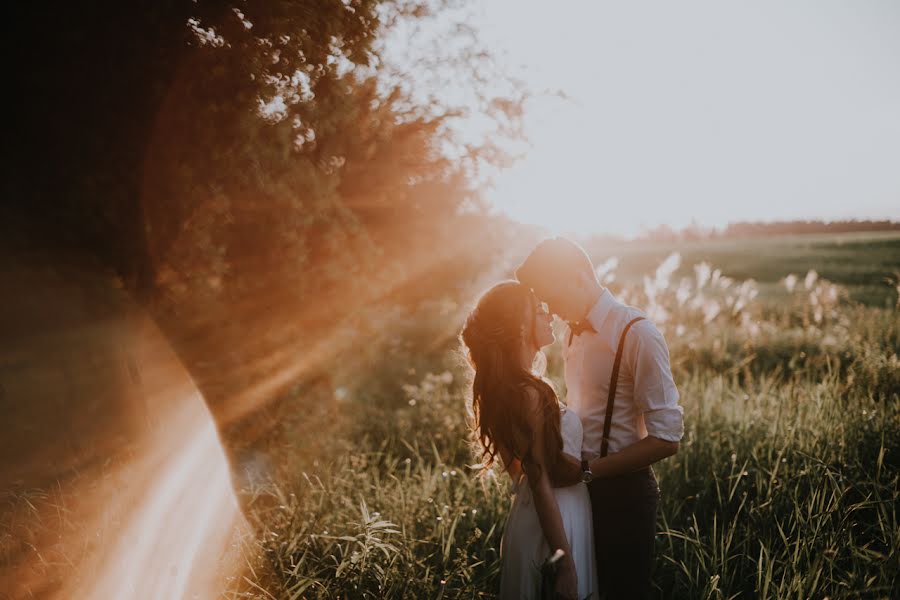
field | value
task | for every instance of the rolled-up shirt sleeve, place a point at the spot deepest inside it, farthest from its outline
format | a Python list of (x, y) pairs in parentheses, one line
[(654, 389)]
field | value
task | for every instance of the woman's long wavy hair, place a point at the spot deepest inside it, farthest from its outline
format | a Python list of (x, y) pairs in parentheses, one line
[(493, 334)]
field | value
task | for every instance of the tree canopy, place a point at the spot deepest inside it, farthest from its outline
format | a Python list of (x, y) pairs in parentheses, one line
[(254, 172)]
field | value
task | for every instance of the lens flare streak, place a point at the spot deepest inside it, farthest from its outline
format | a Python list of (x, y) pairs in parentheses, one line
[(183, 522)]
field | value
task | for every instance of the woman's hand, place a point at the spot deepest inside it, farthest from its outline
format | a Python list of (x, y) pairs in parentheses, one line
[(567, 580)]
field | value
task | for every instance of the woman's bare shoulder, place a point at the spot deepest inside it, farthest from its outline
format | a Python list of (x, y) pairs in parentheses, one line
[(532, 404)]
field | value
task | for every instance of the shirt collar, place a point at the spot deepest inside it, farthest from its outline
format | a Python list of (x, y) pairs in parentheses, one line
[(601, 309)]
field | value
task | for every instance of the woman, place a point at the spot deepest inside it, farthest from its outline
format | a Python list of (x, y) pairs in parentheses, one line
[(519, 418)]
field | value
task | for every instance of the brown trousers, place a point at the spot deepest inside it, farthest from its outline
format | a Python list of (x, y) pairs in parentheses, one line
[(624, 510)]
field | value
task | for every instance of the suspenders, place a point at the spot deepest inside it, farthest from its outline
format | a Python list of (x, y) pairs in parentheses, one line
[(607, 423)]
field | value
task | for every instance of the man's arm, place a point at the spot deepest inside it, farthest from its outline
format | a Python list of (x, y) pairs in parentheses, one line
[(657, 397), (566, 470), (634, 457)]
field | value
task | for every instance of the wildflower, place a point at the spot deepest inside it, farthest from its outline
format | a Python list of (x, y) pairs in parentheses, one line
[(711, 310), (666, 268), (810, 279), (746, 292), (703, 272), (749, 325), (790, 282), (605, 271), (683, 292), (649, 288), (658, 313)]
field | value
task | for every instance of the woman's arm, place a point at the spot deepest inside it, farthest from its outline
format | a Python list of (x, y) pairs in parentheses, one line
[(545, 502), (566, 470)]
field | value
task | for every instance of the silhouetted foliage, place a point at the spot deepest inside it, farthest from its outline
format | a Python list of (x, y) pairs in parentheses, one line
[(248, 169)]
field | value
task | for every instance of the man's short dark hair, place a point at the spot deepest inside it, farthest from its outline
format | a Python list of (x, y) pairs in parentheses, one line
[(553, 262)]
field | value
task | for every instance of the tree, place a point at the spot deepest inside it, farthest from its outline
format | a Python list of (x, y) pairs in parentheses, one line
[(247, 168)]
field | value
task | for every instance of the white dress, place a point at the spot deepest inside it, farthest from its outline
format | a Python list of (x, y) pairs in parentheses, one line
[(523, 548)]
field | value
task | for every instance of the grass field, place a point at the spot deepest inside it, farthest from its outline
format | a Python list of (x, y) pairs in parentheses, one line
[(786, 485)]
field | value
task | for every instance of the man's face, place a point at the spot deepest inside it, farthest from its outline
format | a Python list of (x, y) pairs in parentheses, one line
[(563, 301)]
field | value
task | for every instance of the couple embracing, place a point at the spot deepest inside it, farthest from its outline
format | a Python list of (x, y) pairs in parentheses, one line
[(581, 472)]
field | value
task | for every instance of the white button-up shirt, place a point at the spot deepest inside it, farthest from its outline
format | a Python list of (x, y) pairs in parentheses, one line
[(646, 397)]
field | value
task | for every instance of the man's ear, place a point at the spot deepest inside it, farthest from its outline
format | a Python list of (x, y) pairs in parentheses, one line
[(584, 281), (586, 284)]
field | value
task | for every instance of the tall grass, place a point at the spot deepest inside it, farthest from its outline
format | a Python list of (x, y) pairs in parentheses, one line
[(786, 484)]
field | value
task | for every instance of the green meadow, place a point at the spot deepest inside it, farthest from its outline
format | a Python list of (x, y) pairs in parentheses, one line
[(786, 484)]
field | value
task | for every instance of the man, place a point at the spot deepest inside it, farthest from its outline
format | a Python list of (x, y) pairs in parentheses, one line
[(646, 421)]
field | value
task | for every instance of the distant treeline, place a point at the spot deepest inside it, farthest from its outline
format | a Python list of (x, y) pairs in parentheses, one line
[(792, 227), (664, 233)]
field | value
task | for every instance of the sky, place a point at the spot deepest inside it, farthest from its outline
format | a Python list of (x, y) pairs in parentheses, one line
[(706, 111)]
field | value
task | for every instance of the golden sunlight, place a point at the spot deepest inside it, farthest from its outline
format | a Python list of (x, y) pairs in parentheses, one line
[(141, 503), (281, 290), (185, 520)]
